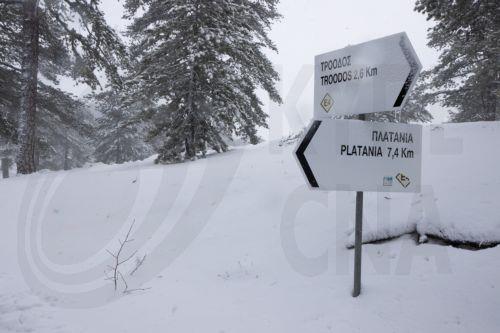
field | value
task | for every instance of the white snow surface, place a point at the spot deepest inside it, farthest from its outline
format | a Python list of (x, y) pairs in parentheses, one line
[(237, 243), (460, 199)]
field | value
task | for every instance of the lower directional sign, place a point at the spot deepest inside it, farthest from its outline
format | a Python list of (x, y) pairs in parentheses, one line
[(353, 155)]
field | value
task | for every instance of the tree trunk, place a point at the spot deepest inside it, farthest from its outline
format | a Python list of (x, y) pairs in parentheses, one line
[(190, 141), (5, 167), (66, 158), (189, 149), (27, 115)]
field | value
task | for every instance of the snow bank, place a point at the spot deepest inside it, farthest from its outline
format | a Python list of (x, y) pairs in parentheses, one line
[(460, 200)]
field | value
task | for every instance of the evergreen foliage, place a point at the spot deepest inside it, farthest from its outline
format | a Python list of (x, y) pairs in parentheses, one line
[(467, 76), (52, 38), (202, 61), (120, 130)]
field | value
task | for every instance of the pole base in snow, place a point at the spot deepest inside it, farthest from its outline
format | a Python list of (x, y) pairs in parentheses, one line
[(358, 234)]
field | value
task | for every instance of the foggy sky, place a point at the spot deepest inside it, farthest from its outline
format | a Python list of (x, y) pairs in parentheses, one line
[(311, 27)]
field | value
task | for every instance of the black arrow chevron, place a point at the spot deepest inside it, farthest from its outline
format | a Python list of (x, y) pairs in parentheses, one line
[(411, 76), (302, 148)]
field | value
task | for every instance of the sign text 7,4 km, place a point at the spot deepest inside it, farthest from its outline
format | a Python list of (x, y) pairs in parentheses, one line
[(375, 76), (353, 155)]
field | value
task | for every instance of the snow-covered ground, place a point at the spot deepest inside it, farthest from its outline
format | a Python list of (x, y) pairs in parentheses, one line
[(238, 243)]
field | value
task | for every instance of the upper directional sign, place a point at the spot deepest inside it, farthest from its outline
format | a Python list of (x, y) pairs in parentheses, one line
[(354, 155), (375, 76)]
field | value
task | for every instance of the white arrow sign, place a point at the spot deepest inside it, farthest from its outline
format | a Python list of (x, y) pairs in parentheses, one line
[(353, 155), (375, 76)]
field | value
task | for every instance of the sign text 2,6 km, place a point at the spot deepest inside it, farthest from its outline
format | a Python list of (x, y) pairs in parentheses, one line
[(375, 76)]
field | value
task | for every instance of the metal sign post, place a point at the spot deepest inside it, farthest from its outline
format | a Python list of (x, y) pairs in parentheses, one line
[(358, 238), (354, 155), (358, 241)]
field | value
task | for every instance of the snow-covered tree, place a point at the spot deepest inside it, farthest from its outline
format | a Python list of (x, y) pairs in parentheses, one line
[(7, 133), (202, 61), (9, 81), (64, 131), (468, 73), (54, 37), (7, 137), (120, 130), (62, 122)]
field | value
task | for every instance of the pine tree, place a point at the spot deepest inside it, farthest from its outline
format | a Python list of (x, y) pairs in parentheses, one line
[(9, 81), (64, 131), (202, 61), (29, 66), (8, 132), (63, 124), (120, 129), (7, 138), (467, 76), (48, 43)]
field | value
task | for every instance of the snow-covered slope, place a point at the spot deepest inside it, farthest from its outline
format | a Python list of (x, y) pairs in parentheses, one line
[(238, 243), (461, 189)]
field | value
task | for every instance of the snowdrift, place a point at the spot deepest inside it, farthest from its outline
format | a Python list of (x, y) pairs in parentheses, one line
[(460, 200)]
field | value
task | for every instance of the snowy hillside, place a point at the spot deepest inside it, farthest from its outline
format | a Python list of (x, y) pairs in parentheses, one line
[(237, 243), (461, 190)]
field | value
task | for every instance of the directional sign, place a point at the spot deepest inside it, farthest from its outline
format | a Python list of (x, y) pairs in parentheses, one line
[(353, 155), (375, 76)]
